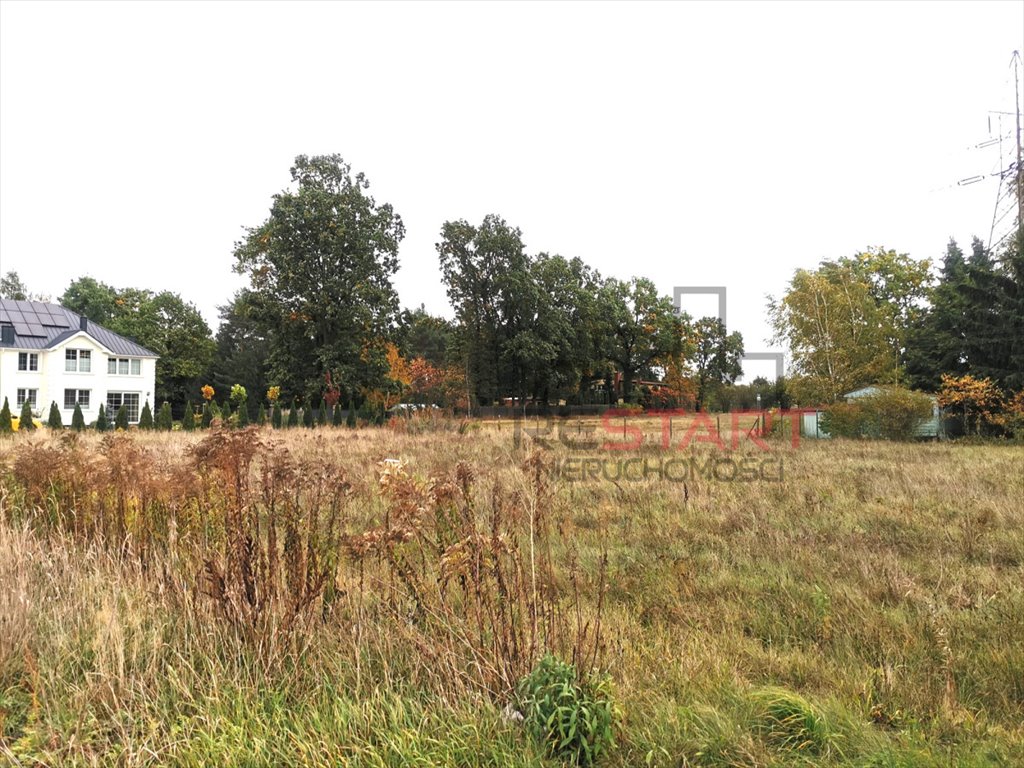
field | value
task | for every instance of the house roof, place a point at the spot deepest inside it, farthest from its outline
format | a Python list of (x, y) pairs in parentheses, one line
[(870, 391), (863, 392), (40, 325)]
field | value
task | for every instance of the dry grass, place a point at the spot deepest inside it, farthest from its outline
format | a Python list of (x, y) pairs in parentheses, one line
[(292, 598)]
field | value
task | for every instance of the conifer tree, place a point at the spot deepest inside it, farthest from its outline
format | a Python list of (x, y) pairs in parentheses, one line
[(275, 416), (207, 418), (26, 423), (350, 419), (225, 413), (322, 413), (54, 420), (188, 420), (338, 418), (5, 419), (77, 419), (102, 424), (146, 418), (121, 419), (261, 416), (165, 420), (243, 414), (293, 415), (307, 415)]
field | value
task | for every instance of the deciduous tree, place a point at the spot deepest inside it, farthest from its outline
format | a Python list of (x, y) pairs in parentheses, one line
[(320, 269)]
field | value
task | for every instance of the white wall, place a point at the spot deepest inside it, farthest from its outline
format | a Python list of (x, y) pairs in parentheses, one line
[(51, 380)]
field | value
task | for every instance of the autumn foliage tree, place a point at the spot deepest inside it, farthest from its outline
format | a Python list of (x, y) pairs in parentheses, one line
[(979, 402)]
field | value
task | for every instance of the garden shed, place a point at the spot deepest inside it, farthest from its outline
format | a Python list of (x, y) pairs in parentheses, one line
[(811, 421)]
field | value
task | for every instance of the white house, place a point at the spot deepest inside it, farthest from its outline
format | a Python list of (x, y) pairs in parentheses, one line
[(51, 354)]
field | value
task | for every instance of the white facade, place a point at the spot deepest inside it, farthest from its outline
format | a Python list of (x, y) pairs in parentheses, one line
[(64, 375)]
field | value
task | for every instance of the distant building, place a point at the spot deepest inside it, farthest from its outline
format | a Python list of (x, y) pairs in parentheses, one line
[(51, 354), (811, 426)]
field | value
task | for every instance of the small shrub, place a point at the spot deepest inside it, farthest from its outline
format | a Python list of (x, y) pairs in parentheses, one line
[(338, 416), (321, 415), (225, 413), (102, 424), (275, 416), (574, 719), (77, 419), (207, 417), (26, 425), (261, 416), (146, 418), (121, 419), (293, 415), (350, 418), (307, 415), (54, 420), (6, 427), (845, 420), (188, 419), (165, 421)]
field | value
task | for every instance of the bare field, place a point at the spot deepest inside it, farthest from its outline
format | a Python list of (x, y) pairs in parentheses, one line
[(295, 598)]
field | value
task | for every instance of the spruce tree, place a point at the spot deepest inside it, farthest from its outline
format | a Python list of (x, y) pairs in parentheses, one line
[(338, 418), (121, 419), (322, 413), (165, 420), (207, 416), (243, 414), (261, 416), (26, 423), (5, 419), (307, 415), (350, 419), (225, 413), (275, 416), (54, 421), (293, 415), (77, 419), (188, 420), (146, 418), (102, 424)]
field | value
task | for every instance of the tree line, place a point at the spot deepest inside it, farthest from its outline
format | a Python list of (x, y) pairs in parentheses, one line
[(320, 319)]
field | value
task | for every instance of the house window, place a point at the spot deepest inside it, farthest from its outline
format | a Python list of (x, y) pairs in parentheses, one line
[(79, 360), (28, 361), (120, 366), (27, 394), (76, 396), (130, 400)]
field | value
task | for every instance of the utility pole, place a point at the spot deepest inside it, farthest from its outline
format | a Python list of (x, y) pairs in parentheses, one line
[(1020, 154)]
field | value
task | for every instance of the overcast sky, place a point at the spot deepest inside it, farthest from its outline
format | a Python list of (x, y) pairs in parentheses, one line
[(693, 144)]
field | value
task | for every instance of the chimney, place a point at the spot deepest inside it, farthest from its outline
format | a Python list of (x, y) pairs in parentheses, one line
[(83, 323)]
